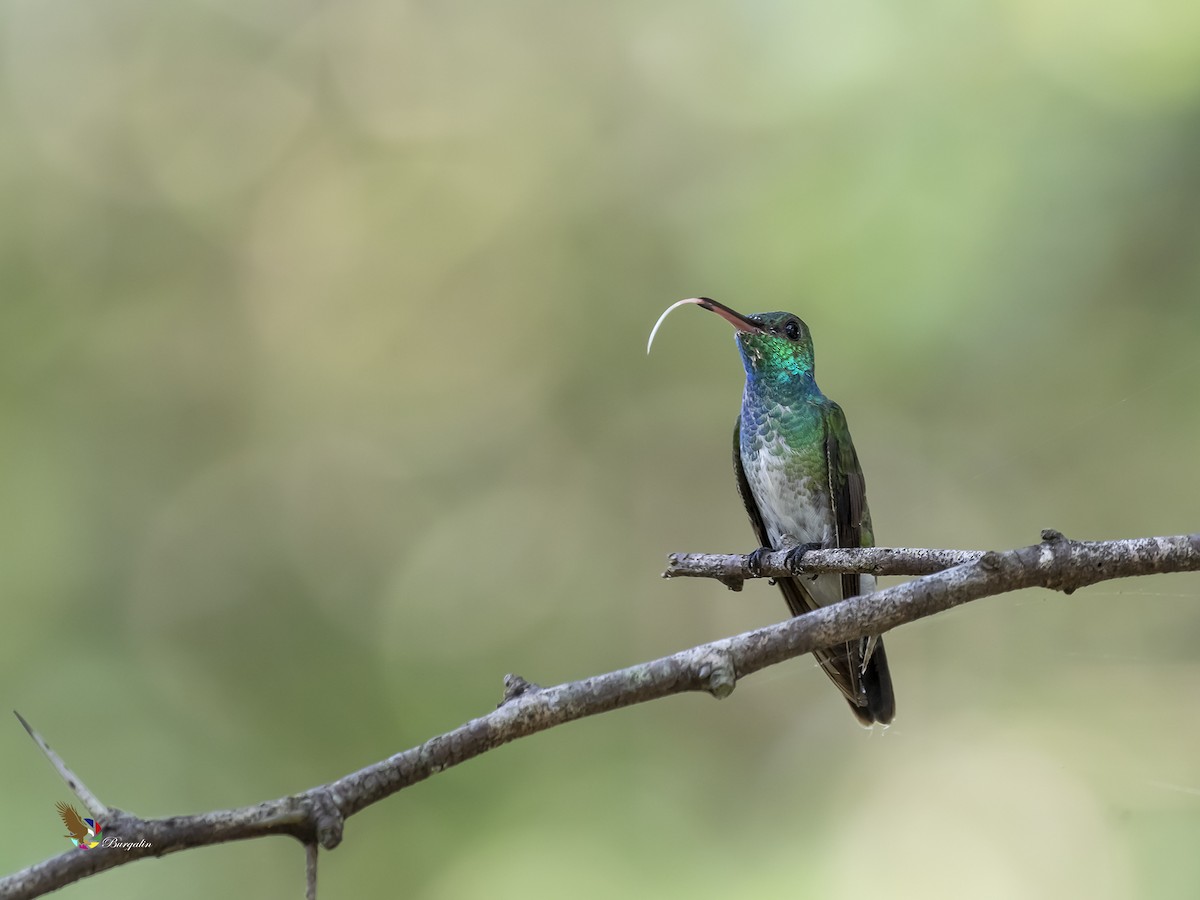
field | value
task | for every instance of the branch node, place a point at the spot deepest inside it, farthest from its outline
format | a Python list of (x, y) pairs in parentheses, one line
[(717, 674), (1060, 575), (990, 561), (734, 582), (328, 821), (515, 686)]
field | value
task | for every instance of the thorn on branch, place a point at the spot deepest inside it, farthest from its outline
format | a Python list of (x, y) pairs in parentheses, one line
[(78, 788), (515, 686)]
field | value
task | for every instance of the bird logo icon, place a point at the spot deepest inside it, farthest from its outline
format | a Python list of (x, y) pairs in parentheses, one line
[(83, 833)]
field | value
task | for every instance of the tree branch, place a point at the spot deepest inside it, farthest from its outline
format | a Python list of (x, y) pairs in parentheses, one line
[(733, 569), (316, 816)]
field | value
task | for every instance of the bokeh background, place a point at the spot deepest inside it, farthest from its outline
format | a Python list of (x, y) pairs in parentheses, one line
[(325, 404)]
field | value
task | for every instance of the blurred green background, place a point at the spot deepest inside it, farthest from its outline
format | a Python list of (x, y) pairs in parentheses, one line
[(325, 404)]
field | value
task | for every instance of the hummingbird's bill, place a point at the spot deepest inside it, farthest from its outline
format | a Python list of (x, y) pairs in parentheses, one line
[(733, 317)]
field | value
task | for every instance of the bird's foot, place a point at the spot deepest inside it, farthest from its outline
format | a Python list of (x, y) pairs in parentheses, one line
[(795, 556), (754, 562)]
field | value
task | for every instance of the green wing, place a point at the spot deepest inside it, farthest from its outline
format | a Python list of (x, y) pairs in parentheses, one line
[(852, 522), (851, 518)]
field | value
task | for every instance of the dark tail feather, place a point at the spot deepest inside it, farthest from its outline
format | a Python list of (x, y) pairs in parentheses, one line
[(869, 692), (876, 683)]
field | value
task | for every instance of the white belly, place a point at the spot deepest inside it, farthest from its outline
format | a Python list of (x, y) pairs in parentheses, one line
[(795, 511)]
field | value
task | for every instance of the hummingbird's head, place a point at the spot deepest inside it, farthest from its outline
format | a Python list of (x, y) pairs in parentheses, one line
[(776, 347)]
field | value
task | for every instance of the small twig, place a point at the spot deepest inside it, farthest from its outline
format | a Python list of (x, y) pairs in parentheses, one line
[(735, 568), (78, 788), (310, 871)]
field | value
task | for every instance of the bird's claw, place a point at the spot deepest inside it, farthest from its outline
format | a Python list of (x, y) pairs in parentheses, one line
[(794, 557), (754, 562)]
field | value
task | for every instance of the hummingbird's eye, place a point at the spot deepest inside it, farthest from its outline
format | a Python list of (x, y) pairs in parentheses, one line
[(792, 330)]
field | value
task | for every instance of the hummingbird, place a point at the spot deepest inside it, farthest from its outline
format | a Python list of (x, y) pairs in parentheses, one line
[(801, 483)]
